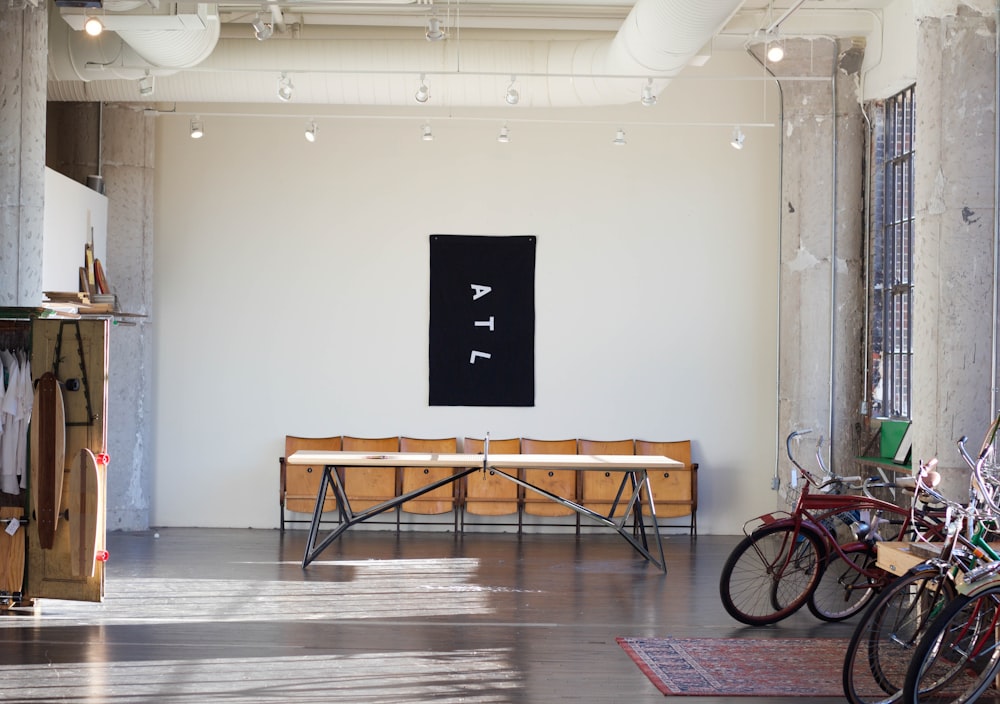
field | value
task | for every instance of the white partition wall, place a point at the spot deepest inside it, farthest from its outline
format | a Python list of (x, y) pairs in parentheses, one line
[(291, 283)]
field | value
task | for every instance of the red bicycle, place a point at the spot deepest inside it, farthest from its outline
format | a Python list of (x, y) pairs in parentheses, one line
[(822, 554)]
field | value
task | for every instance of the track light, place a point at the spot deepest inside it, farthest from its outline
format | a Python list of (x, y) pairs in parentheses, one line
[(434, 32), (619, 140), (775, 48), (648, 98), (93, 26), (312, 131), (427, 136), (284, 88), (738, 138), (504, 136), (261, 29), (147, 85), (512, 96), (197, 130), (422, 93)]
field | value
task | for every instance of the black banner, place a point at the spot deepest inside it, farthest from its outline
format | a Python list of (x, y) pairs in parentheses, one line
[(482, 321)]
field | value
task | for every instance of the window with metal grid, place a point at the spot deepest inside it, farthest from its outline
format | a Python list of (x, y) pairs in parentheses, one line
[(892, 255)]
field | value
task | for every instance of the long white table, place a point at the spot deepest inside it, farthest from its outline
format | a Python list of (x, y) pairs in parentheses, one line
[(633, 493)]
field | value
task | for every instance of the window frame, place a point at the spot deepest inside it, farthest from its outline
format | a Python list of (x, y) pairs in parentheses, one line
[(892, 223)]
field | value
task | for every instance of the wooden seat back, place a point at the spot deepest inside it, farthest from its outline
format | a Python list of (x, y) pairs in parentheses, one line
[(675, 491), (486, 494), (561, 482), (299, 484), (440, 500), (598, 490), (368, 486)]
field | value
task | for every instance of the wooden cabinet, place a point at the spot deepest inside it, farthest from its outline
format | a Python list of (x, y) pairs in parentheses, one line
[(76, 351)]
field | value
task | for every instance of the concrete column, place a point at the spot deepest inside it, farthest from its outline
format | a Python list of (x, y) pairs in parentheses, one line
[(821, 304), (23, 71), (117, 141), (954, 277), (128, 146)]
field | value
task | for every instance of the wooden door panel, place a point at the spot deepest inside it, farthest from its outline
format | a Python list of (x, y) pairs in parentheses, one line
[(77, 352)]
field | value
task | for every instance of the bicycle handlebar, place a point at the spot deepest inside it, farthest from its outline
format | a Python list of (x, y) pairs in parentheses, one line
[(854, 482)]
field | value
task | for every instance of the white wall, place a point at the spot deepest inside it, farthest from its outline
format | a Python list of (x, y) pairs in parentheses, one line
[(74, 216), (291, 287), (891, 55)]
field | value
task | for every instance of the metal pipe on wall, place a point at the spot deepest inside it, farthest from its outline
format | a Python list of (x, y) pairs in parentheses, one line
[(996, 212), (833, 248)]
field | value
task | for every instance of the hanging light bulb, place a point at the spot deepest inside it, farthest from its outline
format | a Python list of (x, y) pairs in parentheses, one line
[(197, 130), (284, 88), (512, 96), (422, 94), (147, 84), (619, 140), (434, 32), (261, 29), (775, 49), (312, 131), (93, 26), (738, 138), (504, 136), (427, 136), (648, 98)]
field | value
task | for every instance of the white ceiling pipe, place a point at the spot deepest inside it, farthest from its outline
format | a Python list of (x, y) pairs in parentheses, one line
[(658, 38), (177, 49), (129, 54)]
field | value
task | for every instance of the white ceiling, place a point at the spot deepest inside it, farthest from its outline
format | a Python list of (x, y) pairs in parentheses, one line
[(373, 52)]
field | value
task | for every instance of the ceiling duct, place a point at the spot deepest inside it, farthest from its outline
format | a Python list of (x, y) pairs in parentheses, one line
[(658, 39), (132, 45)]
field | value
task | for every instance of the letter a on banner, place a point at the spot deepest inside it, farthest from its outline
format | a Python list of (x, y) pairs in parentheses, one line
[(482, 321)]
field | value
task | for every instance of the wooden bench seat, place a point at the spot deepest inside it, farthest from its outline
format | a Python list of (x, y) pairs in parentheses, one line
[(675, 492)]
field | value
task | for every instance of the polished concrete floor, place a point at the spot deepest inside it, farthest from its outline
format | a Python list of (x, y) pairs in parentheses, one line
[(193, 615)]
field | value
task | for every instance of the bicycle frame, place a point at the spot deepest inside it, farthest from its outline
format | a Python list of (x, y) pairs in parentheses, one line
[(812, 511)]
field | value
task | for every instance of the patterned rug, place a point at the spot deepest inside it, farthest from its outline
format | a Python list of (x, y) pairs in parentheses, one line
[(741, 667)]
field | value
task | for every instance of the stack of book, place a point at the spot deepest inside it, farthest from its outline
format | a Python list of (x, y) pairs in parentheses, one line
[(73, 303)]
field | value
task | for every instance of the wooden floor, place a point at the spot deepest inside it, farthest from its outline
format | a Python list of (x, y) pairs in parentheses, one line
[(230, 616)]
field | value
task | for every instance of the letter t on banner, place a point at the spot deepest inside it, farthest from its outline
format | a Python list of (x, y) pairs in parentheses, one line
[(482, 321)]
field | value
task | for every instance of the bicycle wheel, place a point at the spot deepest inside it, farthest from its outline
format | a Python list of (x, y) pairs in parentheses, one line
[(957, 658), (882, 645), (843, 588), (770, 574)]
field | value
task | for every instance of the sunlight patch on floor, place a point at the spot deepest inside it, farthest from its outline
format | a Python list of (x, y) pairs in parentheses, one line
[(370, 589), (471, 676)]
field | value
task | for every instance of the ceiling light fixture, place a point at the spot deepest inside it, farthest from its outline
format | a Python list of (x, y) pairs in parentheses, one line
[(422, 94), (738, 138), (147, 85), (504, 136), (261, 29), (512, 96), (775, 48), (648, 98), (93, 26), (284, 88), (197, 130), (427, 136), (312, 131), (619, 140), (434, 32)]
